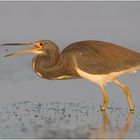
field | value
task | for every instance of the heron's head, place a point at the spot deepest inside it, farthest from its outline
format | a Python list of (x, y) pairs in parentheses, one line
[(39, 47)]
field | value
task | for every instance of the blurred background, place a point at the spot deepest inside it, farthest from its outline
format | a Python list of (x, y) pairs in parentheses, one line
[(64, 23)]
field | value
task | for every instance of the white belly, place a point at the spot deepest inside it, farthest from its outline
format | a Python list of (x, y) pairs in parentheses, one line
[(102, 79)]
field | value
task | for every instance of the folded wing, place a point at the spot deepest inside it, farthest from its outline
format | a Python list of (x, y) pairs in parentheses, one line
[(98, 57)]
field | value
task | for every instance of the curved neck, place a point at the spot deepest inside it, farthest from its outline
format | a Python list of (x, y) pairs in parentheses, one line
[(48, 66)]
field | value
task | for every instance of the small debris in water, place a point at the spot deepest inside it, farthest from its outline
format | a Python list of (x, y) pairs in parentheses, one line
[(36, 116), (64, 120)]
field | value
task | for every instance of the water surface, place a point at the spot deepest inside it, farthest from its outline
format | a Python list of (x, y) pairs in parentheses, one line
[(67, 120)]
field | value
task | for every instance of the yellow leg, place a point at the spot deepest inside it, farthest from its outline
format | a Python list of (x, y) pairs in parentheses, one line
[(127, 93), (106, 100)]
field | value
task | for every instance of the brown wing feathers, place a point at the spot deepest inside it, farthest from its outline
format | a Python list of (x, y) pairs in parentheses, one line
[(98, 57)]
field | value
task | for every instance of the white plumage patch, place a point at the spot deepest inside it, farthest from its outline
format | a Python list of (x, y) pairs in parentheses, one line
[(38, 74), (33, 65), (102, 79), (61, 77)]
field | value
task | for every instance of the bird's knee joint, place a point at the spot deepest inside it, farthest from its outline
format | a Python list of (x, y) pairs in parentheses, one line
[(126, 89)]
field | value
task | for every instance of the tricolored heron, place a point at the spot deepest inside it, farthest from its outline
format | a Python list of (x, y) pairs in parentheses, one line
[(96, 61)]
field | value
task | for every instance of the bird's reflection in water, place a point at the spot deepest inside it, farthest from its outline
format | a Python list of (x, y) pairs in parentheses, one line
[(122, 132), (103, 131)]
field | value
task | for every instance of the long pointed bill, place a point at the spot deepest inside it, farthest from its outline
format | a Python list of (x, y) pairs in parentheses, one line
[(18, 44), (23, 51)]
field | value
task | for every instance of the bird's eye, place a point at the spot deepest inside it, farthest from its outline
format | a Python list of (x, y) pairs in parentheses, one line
[(41, 44)]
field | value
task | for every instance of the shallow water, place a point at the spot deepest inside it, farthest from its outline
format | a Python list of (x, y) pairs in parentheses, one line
[(67, 120)]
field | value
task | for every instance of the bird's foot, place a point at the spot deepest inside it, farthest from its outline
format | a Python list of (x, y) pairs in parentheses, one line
[(132, 110), (103, 109)]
